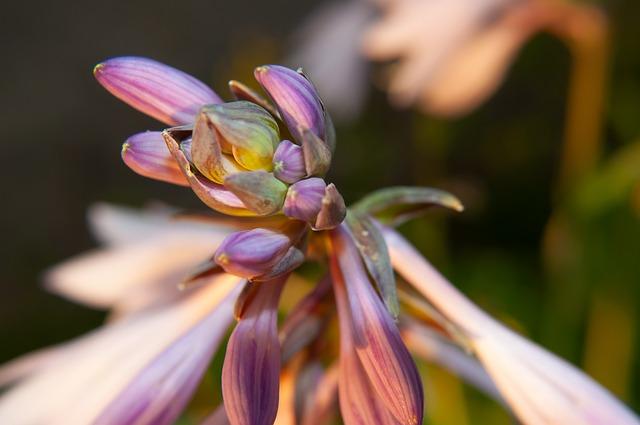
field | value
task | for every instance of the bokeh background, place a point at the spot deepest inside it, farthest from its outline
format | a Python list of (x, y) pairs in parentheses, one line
[(560, 266)]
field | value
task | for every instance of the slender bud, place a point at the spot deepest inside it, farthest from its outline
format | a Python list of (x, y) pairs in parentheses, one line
[(288, 162), (304, 199), (147, 154), (295, 97), (252, 253), (251, 371), (158, 90), (248, 129), (260, 191)]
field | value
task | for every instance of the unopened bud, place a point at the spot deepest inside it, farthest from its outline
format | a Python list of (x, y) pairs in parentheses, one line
[(252, 253), (288, 162), (295, 97), (304, 199), (248, 130)]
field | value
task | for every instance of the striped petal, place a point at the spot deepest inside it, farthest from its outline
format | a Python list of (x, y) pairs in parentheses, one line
[(159, 393), (251, 371), (160, 91), (96, 369), (359, 403), (540, 387), (147, 154), (295, 97), (376, 339)]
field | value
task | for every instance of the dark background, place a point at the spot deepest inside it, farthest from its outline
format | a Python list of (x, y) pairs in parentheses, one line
[(61, 137)]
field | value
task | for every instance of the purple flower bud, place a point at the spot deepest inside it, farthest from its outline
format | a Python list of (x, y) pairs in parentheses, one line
[(304, 199), (158, 90), (147, 154), (288, 162), (295, 97), (383, 356), (252, 253), (251, 371)]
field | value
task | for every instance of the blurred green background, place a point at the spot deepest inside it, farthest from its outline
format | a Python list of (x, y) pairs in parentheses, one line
[(562, 267)]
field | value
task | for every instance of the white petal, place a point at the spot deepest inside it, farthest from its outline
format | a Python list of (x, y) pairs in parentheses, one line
[(106, 277), (76, 388)]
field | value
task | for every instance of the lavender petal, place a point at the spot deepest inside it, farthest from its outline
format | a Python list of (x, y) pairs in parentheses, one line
[(158, 90)]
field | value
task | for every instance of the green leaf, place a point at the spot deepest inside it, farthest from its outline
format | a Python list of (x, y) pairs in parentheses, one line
[(395, 205), (373, 250)]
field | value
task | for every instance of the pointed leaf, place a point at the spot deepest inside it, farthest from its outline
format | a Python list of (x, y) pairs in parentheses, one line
[(317, 155), (395, 205)]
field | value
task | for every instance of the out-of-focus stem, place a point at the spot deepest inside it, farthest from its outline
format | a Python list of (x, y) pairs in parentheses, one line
[(585, 32)]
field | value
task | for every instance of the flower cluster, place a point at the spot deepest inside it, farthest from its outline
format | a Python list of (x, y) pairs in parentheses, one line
[(232, 157)]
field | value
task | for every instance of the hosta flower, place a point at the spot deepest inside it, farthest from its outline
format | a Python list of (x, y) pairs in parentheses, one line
[(450, 55), (174, 284), (223, 150)]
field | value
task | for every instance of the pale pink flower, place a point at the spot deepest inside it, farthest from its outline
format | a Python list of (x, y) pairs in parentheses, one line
[(540, 387)]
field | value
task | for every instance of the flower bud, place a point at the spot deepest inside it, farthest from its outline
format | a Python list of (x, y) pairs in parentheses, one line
[(158, 90), (315, 202), (248, 130), (147, 154), (252, 253), (295, 97), (260, 191), (251, 370), (304, 199), (288, 162)]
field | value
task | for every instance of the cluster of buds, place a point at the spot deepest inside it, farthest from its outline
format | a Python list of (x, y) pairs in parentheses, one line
[(236, 157)]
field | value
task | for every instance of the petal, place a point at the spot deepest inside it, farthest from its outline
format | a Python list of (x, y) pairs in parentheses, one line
[(538, 386), (100, 366), (159, 393), (359, 400), (147, 154), (118, 225), (295, 97), (133, 274), (158, 90), (377, 341), (214, 195), (251, 371)]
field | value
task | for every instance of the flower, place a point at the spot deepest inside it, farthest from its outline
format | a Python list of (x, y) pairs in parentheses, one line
[(451, 54), (174, 284), (538, 386), (224, 150)]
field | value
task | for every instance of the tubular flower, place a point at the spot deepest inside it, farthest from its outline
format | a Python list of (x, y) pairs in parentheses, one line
[(449, 56), (173, 283)]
